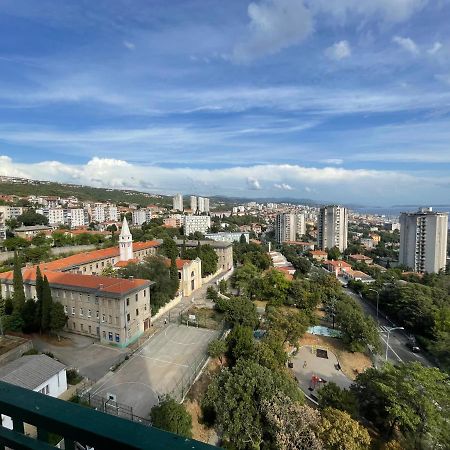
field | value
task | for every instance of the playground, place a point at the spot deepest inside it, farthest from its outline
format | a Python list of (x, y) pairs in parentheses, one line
[(314, 366)]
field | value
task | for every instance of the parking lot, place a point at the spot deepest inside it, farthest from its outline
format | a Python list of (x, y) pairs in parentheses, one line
[(159, 367)]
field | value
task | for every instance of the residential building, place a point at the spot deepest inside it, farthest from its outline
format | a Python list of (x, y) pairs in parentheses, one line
[(332, 227), (301, 225), (285, 227), (55, 216), (423, 240), (76, 217), (224, 236), (11, 212), (39, 373), (193, 204), (98, 213), (189, 274), (111, 213), (361, 258), (2, 225), (319, 255), (174, 221), (141, 216), (191, 224), (178, 202)]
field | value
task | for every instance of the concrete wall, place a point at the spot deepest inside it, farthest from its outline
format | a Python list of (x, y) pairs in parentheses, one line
[(55, 251), (16, 352)]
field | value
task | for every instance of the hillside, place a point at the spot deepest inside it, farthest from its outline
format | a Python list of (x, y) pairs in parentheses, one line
[(25, 187)]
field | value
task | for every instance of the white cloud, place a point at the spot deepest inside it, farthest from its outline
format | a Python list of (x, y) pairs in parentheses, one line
[(339, 50), (407, 44), (274, 25), (253, 184), (283, 186), (129, 45), (328, 184), (436, 47), (393, 11), (336, 161)]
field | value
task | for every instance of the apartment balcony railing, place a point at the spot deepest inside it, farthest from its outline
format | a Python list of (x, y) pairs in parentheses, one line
[(77, 425)]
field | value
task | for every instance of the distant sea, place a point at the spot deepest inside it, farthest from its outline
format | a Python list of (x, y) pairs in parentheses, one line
[(394, 211)]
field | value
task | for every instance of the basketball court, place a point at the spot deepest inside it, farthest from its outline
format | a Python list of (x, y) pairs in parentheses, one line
[(168, 359)]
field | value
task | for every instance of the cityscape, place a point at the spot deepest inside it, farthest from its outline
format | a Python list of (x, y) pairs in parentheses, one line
[(224, 225)]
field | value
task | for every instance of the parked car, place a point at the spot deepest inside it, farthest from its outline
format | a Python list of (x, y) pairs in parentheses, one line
[(412, 345)]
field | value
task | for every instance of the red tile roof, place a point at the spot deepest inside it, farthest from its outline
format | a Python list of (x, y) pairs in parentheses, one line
[(89, 282), (180, 262)]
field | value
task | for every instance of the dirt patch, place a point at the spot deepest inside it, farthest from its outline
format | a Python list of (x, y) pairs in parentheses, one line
[(351, 363), (53, 340), (193, 400), (8, 343), (205, 317), (259, 303)]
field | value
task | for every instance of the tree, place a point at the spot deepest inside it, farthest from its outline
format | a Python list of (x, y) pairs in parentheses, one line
[(275, 287), (174, 274), (31, 217), (242, 239), (29, 317), (39, 293), (15, 243), (340, 432), (292, 426), (13, 322), (291, 325), (412, 397), (244, 279), (211, 293), (46, 305), (18, 297), (169, 248), (358, 330), (209, 260), (58, 318), (242, 311), (223, 287), (235, 397), (332, 396), (334, 253), (217, 348), (240, 343), (173, 417)]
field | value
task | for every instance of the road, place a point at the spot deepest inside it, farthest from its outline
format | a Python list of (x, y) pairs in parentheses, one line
[(398, 350)]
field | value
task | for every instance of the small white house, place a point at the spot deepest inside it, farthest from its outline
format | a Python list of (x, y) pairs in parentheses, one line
[(39, 373)]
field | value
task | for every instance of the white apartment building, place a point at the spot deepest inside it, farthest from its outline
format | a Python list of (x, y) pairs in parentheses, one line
[(111, 213), (423, 240), (224, 236), (285, 227), (141, 216), (178, 202), (76, 217), (193, 199), (206, 205), (11, 212), (98, 213), (192, 224), (2, 226), (301, 224), (332, 227)]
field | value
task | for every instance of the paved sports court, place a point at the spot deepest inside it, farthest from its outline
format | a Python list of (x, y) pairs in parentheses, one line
[(157, 367)]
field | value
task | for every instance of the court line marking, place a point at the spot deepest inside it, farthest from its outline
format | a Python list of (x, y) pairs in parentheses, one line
[(390, 348), (164, 361)]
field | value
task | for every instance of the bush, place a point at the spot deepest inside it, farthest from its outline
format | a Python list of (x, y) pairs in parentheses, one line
[(73, 377), (32, 351)]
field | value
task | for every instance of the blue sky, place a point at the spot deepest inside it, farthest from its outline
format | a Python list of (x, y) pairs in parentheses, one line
[(335, 100)]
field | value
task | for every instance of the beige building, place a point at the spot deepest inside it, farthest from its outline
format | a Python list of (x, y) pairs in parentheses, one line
[(423, 240), (189, 275), (224, 251)]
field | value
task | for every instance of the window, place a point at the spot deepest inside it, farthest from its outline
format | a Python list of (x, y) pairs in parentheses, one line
[(117, 320), (96, 315), (84, 269), (73, 310), (104, 335), (90, 329), (117, 338), (128, 317), (128, 302), (110, 319), (88, 298), (89, 313), (81, 311), (103, 317), (136, 297), (96, 266), (82, 327), (145, 307), (145, 292), (74, 326), (65, 309), (110, 336), (45, 390), (137, 311)]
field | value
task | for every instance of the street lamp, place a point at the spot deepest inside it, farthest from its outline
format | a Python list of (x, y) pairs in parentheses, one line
[(387, 340), (378, 299)]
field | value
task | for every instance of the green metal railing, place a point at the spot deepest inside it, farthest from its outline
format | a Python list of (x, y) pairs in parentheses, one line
[(77, 424)]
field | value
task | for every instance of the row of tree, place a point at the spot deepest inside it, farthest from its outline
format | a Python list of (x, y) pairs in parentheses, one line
[(31, 315)]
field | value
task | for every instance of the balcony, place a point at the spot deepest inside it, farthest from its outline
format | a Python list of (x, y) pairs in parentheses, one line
[(78, 426)]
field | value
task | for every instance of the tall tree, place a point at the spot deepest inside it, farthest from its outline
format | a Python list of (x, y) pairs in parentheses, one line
[(18, 297), (39, 288), (58, 318), (340, 432), (46, 305)]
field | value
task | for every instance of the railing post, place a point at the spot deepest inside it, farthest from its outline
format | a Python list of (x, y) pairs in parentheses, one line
[(69, 444), (42, 434), (18, 425)]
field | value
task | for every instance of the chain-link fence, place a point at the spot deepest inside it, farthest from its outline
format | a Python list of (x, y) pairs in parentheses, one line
[(109, 406)]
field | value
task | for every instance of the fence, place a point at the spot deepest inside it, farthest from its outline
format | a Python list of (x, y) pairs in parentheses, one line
[(109, 406)]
